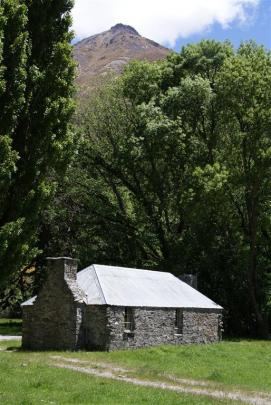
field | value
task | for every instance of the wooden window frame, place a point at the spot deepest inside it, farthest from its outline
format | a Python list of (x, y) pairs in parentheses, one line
[(129, 323)]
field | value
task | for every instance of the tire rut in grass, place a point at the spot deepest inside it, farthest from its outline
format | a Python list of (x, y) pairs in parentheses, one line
[(187, 386)]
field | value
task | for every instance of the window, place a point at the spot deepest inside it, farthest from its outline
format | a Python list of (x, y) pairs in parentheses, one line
[(179, 321), (129, 324)]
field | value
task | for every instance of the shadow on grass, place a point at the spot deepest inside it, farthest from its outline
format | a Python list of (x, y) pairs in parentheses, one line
[(13, 349)]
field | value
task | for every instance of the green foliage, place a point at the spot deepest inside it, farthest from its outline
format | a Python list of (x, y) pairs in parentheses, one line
[(36, 88), (173, 173), (141, 81), (244, 86)]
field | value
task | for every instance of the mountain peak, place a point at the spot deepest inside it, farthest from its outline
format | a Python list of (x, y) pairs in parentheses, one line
[(110, 51), (124, 28)]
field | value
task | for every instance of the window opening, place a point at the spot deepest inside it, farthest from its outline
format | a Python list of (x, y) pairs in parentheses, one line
[(179, 321), (128, 319)]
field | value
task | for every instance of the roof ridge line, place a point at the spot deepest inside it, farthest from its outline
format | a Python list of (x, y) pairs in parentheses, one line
[(99, 284), (134, 268)]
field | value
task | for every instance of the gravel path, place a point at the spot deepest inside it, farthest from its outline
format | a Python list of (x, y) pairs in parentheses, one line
[(187, 386), (5, 337)]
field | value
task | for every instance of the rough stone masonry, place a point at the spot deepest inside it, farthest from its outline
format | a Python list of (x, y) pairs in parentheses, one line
[(78, 310)]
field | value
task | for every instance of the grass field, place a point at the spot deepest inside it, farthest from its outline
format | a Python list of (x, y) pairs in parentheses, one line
[(30, 378), (244, 364), (12, 327)]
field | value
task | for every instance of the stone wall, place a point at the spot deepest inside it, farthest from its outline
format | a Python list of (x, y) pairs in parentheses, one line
[(155, 326), (70, 325), (96, 331), (152, 327), (55, 321), (201, 326)]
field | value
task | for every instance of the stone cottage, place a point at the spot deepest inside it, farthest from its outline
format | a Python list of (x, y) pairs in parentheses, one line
[(108, 308)]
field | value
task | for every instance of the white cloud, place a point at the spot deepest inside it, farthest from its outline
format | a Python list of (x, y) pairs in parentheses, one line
[(162, 21)]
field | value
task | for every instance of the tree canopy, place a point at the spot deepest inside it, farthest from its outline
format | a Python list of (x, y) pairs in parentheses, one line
[(173, 173), (36, 89)]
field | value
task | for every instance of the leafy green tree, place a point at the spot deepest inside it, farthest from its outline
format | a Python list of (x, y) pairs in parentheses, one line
[(173, 173), (244, 87), (36, 88), (134, 180)]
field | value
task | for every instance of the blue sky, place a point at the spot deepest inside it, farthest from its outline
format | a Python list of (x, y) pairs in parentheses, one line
[(175, 23), (257, 27)]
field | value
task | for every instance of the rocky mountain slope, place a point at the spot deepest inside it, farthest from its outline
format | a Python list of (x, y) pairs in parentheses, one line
[(111, 51)]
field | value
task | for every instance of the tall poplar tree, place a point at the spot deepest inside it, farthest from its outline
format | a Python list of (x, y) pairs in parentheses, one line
[(36, 88)]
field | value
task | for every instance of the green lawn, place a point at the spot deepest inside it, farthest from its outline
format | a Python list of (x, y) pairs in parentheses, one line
[(64, 387), (12, 327), (28, 378), (246, 364)]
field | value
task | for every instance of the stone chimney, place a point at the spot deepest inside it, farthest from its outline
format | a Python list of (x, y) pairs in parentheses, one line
[(190, 279), (65, 269), (62, 267)]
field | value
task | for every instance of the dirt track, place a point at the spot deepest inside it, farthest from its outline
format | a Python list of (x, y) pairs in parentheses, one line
[(3, 337), (187, 386)]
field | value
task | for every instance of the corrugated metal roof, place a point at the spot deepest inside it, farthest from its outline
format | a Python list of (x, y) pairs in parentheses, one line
[(88, 281), (121, 286)]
